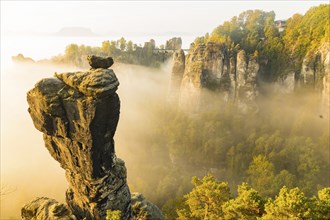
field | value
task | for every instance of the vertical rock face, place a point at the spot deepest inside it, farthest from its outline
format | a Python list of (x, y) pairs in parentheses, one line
[(286, 83), (325, 64), (176, 76), (211, 69), (315, 74), (78, 114), (192, 82), (174, 44), (246, 81)]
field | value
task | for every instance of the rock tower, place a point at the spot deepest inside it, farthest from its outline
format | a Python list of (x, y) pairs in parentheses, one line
[(78, 113)]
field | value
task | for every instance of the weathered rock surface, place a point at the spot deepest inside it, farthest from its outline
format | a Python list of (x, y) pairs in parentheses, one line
[(324, 69), (214, 72), (315, 74), (143, 209), (99, 62), (285, 84), (174, 43), (211, 69), (246, 82), (78, 114), (176, 76), (45, 208)]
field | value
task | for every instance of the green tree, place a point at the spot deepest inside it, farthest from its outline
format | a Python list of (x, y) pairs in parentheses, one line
[(261, 175), (106, 48), (122, 44), (247, 205), (113, 215), (129, 46), (205, 199), (289, 204), (284, 178), (322, 205), (72, 54), (169, 209)]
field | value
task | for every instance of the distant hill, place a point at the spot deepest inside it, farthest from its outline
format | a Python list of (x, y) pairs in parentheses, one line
[(75, 31)]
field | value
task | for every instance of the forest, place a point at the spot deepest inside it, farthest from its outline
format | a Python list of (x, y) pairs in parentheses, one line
[(221, 163), (121, 50), (287, 144), (278, 157), (257, 33)]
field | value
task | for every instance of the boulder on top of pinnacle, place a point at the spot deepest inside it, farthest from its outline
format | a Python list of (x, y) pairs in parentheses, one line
[(99, 62)]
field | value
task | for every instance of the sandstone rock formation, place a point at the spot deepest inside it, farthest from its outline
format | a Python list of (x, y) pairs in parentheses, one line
[(78, 113), (99, 62), (176, 76), (315, 74), (286, 83), (246, 82), (211, 69), (174, 43), (213, 72), (45, 208), (143, 209)]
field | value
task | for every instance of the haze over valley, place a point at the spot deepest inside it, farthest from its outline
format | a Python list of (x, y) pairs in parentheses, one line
[(243, 110)]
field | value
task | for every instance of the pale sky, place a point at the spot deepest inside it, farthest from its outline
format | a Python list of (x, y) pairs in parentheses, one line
[(141, 17)]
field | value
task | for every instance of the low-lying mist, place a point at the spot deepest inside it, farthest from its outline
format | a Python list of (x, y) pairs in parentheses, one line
[(163, 147), (27, 169)]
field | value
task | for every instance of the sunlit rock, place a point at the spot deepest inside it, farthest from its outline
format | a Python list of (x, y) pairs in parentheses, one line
[(174, 43), (78, 114), (213, 72), (100, 62), (143, 209), (176, 76), (45, 208)]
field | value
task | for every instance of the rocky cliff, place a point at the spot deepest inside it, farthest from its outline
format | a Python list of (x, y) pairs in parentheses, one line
[(78, 113), (213, 69), (174, 43), (176, 76), (315, 74)]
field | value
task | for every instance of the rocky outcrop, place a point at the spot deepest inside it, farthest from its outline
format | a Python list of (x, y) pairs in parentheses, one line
[(143, 209), (314, 67), (246, 82), (286, 83), (212, 69), (78, 114), (99, 62), (174, 43), (45, 208), (176, 76), (324, 53), (315, 74)]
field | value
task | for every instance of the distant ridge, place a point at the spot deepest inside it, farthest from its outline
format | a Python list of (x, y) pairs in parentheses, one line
[(75, 31)]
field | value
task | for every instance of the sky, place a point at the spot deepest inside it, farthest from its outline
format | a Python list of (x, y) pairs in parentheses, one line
[(135, 17)]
